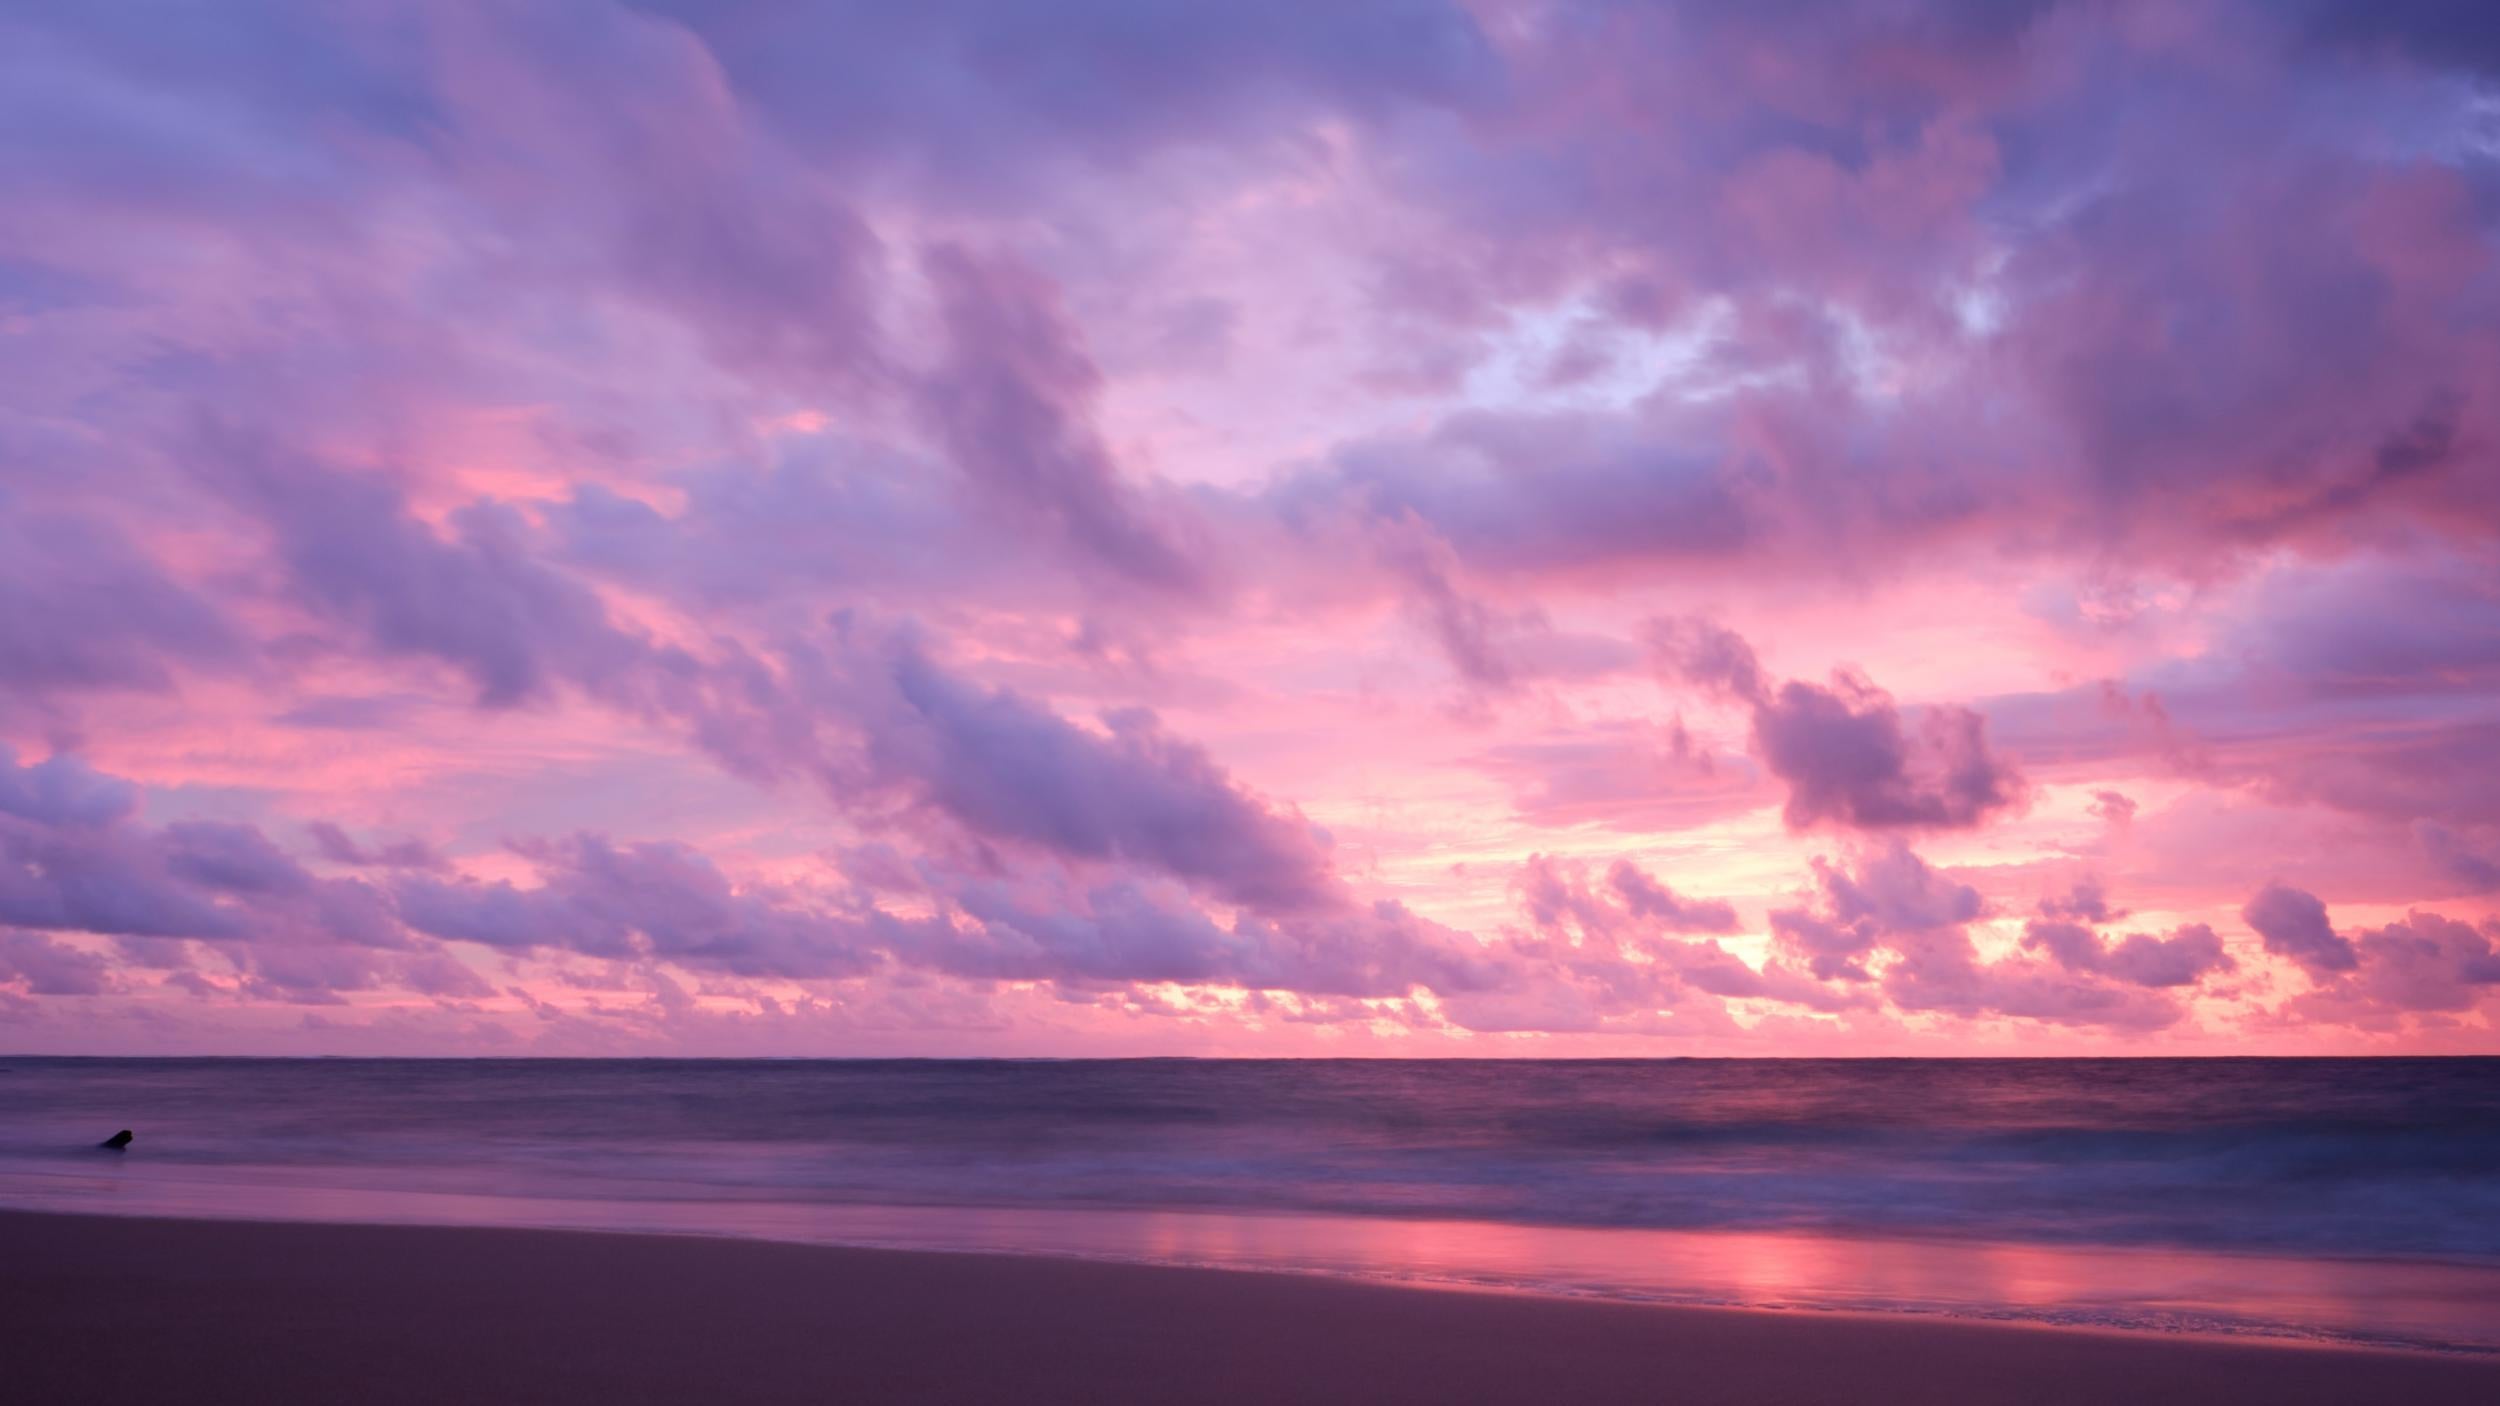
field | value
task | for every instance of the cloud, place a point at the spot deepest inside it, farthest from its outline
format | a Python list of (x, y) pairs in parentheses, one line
[(2184, 958), (80, 860), (1631, 900), (50, 968), (665, 902), (62, 790), (2478, 870), (1847, 760), (863, 709), (337, 846), (1029, 927), (2085, 901), (1533, 495), (1012, 401), (1929, 294), (2424, 963), (1644, 897), (810, 391), (652, 900), (1615, 954), (1011, 770), (1890, 919), (1843, 750), (2294, 924), (82, 607), (983, 98), (477, 600)]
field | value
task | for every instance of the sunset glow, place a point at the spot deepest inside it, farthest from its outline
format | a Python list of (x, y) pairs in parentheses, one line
[(1418, 527)]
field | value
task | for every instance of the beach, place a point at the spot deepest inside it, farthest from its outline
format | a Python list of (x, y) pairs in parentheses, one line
[(104, 1309), (2343, 1202)]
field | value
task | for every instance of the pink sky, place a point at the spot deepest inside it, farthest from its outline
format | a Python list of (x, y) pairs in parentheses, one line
[(1337, 526)]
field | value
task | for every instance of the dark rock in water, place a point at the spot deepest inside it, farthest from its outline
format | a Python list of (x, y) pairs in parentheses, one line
[(117, 1141)]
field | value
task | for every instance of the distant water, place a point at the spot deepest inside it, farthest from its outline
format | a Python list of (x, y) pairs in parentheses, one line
[(2353, 1199)]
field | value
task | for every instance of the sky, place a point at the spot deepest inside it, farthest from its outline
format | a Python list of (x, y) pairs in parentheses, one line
[(1358, 527)]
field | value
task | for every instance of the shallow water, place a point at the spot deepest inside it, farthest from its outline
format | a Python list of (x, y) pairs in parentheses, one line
[(2335, 1199)]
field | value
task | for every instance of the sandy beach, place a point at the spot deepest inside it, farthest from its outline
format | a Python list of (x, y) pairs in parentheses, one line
[(107, 1310)]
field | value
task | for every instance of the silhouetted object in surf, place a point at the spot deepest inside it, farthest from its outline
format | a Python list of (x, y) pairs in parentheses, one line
[(116, 1142)]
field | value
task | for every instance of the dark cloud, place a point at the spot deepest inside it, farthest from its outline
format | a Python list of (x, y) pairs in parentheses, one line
[(2294, 924), (478, 600), (1614, 951), (2139, 959), (668, 903), (2084, 901), (1030, 928), (1888, 891), (1844, 750), (1891, 919), (1630, 901), (52, 968), (867, 712), (1707, 655), (1008, 768), (81, 861), (981, 97), (2461, 34), (1473, 636), (2054, 222), (1534, 495), (337, 846), (1012, 402), (1848, 760), (81, 607), (655, 900), (1646, 898), (2478, 868), (823, 518), (604, 146), (2425, 962), (62, 790)]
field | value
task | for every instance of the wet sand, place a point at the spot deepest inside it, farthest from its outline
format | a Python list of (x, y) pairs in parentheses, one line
[(110, 1309)]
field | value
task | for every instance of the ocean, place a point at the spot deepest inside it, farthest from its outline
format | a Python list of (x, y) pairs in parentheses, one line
[(2351, 1200)]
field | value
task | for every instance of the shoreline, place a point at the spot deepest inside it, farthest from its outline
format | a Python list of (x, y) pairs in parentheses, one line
[(2375, 1302), (110, 1308)]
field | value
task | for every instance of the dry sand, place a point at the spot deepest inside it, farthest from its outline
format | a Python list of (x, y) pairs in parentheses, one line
[(107, 1309)]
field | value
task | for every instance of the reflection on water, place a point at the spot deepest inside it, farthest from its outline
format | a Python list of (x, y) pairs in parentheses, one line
[(2451, 1306), (2355, 1199)]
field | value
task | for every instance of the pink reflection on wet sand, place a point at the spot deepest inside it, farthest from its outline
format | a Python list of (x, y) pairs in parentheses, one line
[(2142, 1289)]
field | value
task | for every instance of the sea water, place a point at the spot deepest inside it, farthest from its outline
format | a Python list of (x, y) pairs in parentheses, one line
[(2339, 1199)]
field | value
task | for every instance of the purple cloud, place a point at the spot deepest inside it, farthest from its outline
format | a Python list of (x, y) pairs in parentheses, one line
[(51, 968), (1843, 749), (1630, 901), (657, 901), (2294, 924), (982, 96), (1011, 769), (62, 790), (75, 858), (1034, 446), (337, 846), (479, 600), (1012, 402), (81, 607), (1892, 920), (2139, 959)]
